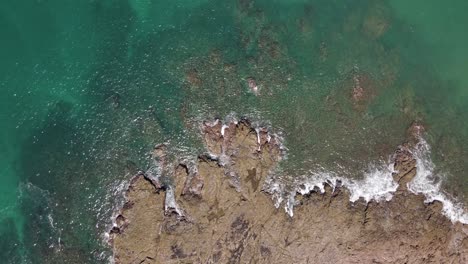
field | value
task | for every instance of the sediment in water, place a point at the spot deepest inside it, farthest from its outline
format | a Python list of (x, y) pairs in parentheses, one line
[(226, 215)]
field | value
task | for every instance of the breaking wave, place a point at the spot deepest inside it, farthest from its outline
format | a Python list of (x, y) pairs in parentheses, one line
[(377, 184), (426, 182)]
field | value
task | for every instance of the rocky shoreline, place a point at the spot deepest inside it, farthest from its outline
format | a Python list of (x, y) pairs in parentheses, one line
[(214, 210)]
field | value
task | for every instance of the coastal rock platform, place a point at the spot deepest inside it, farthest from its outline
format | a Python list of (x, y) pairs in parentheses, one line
[(216, 211)]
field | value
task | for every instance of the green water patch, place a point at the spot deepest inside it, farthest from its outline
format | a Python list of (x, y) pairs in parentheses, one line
[(45, 51), (10, 241), (438, 30)]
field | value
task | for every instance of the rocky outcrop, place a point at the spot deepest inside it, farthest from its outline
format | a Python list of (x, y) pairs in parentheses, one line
[(215, 211), (404, 161)]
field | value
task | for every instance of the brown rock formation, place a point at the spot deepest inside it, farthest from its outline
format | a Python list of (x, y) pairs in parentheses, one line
[(227, 218)]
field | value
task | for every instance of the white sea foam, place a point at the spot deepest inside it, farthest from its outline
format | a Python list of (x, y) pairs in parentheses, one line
[(117, 194), (428, 183), (377, 185), (223, 128), (257, 130), (170, 202)]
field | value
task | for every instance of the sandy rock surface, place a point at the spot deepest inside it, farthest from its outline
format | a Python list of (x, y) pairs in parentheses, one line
[(225, 217)]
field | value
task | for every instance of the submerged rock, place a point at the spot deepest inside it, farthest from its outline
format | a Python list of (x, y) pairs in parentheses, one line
[(362, 89), (415, 131), (376, 21), (252, 85), (230, 223), (193, 78)]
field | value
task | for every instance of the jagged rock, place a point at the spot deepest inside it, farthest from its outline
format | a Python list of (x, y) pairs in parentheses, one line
[(405, 165), (193, 184), (241, 225)]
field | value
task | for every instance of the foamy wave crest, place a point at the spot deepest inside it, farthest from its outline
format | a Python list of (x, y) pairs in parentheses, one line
[(428, 183), (377, 185)]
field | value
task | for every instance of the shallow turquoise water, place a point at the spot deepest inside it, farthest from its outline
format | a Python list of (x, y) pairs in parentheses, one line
[(88, 87)]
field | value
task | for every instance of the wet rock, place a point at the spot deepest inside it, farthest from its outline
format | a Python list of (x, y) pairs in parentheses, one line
[(212, 133), (252, 85), (416, 130), (405, 166), (405, 162), (158, 166)]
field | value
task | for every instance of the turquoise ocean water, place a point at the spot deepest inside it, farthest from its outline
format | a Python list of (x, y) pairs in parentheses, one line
[(87, 88)]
